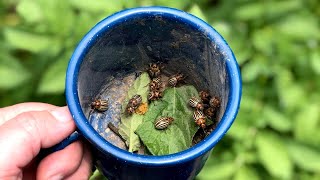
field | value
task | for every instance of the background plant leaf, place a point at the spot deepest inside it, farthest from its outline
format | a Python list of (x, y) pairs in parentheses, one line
[(315, 61), (307, 124), (305, 157), (26, 40), (30, 10), (178, 136), (195, 10), (9, 80), (129, 123), (276, 119), (53, 80), (245, 173), (274, 155), (280, 36), (97, 6), (224, 170)]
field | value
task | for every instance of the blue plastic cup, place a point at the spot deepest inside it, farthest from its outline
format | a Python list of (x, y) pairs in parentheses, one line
[(127, 42)]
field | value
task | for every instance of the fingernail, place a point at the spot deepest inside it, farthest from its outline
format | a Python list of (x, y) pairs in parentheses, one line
[(62, 114)]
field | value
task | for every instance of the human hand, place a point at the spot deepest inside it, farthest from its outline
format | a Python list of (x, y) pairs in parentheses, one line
[(25, 129)]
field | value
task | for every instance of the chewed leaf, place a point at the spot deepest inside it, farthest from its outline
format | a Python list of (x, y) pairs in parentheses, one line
[(129, 123), (178, 136), (126, 129), (141, 87)]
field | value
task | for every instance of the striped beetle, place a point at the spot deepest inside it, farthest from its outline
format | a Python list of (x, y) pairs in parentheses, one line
[(196, 103), (209, 112), (133, 103), (154, 95), (205, 96), (214, 102), (163, 122), (154, 70), (99, 105), (155, 84), (173, 80), (135, 100), (199, 119)]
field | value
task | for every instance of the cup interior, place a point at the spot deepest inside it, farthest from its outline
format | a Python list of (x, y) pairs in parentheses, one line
[(121, 46)]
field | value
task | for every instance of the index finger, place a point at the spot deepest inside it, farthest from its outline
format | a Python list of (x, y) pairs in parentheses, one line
[(10, 112)]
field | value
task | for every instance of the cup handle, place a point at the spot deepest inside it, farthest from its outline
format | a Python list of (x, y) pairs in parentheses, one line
[(61, 145)]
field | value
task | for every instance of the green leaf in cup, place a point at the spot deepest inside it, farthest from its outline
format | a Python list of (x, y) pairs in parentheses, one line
[(129, 123), (178, 136)]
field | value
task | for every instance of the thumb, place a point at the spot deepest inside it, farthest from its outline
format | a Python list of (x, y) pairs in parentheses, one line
[(22, 137)]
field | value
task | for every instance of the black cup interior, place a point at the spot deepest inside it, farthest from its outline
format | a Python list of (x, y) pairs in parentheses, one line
[(126, 48)]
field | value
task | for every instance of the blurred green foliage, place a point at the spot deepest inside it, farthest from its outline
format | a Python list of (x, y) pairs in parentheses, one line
[(276, 42)]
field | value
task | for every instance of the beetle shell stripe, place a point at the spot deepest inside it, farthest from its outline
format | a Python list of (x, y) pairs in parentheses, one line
[(173, 81), (197, 115), (199, 118), (155, 84), (163, 122), (135, 100), (154, 95), (103, 105), (156, 80), (100, 105), (130, 109), (193, 102), (137, 97)]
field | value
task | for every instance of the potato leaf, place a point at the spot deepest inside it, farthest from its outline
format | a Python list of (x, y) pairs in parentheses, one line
[(249, 11), (173, 4), (53, 80), (223, 170), (273, 155), (245, 173), (195, 10), (130, 123), (97, 175), (178, 136), (30, 11), (306, 126), (12, 72), (315, 61), (27, 41), (96, 6), (276, 119), (305, 157), (299, 26)]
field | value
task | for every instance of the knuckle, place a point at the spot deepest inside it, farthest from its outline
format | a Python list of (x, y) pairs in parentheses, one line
[(30, 129)]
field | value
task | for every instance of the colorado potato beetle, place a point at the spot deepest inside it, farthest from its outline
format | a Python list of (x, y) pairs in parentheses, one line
[(99, 105), (163, 122), (154, 95), (155, 84), (173, 80), (209, 112), (199, 119), (135, 100), (133, 103), (214, 102), (196, 103), (154, 70), (204, 96)]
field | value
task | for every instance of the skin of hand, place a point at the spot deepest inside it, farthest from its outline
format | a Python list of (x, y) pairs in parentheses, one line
[(28, 127)]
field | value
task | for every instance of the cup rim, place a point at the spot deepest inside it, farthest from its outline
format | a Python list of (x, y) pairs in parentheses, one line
[(166, 160)]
